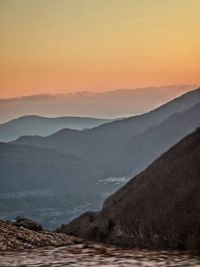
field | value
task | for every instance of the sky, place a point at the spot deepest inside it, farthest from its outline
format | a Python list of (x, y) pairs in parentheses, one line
[(62, 46)]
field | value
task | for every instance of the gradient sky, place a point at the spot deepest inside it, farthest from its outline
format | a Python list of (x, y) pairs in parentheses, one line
[(61, 46)]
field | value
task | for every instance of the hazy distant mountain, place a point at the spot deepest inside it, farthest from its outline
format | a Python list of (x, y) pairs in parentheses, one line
[(36, 125), (142, 149), (102, 144), (110, 104), (159, 208), (24, 167)]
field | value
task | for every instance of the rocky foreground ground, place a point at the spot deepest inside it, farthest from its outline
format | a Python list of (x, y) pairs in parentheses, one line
[(26, 234), (78, 255), (25, 243)]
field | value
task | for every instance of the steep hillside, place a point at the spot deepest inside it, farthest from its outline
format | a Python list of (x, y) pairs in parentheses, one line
[(159, 208)]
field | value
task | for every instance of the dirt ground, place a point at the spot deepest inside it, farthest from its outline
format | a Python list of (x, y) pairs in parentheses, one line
[(94, 255)]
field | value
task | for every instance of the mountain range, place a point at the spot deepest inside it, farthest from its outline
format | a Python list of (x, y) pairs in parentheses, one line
[(43, 126), (55, 178), (110, 143)]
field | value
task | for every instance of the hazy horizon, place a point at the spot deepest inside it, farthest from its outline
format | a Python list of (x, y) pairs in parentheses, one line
[(110, 104)]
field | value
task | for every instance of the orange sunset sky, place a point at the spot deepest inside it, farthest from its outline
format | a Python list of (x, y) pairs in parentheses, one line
[(61, 46)]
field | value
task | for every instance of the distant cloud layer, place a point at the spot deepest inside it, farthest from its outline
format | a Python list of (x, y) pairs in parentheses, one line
[(116, 103)]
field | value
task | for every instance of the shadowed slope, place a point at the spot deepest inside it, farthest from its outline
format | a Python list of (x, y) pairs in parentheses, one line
[(159, 208)]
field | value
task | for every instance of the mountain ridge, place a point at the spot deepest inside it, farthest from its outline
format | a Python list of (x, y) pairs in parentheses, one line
[(44, 126), (102, 144)]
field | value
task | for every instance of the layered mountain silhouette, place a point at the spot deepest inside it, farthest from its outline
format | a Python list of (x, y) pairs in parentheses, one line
[(142, 149), (159, 208), (72, 171), (37, 125), (110, 142)]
